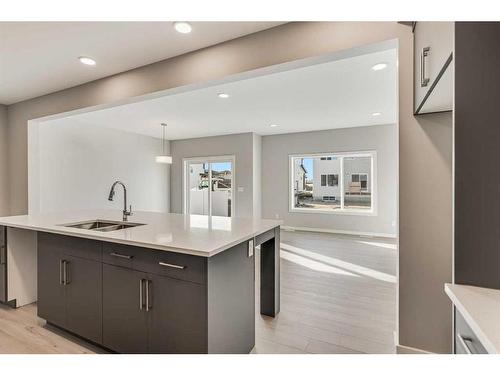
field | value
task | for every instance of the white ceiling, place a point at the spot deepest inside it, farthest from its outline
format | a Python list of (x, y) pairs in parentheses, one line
[(37, 58), (338, 94)]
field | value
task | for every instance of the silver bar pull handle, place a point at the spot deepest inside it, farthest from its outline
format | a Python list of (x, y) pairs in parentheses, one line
[(3, 254), (61, 276), (465, 341), (148, 299), (66, 280), (171, 265), (118, 255), (141, 299), (424, 80)]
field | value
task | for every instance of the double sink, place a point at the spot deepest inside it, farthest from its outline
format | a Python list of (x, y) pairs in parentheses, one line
[(102, 225)]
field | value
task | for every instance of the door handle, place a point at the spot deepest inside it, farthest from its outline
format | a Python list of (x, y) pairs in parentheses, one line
[(61, 275), (121, 255), (149, 305), (424, 81), (65, 278), (141, 299), (465, 341), (3, 254), (171, 265)]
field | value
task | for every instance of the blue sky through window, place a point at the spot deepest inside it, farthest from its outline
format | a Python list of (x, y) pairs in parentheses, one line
[(308, 164), (219, 167)]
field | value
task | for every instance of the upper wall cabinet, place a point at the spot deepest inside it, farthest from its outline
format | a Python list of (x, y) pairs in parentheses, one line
[(433, 67)]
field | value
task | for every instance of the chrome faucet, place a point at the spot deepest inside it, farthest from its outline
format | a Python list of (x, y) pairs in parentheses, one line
[(126, 212)]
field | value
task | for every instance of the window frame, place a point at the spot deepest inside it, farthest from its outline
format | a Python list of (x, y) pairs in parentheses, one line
[(186, 164), (372, 183)]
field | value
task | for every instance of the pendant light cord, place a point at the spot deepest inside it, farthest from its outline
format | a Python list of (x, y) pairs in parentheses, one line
[(164, 126)]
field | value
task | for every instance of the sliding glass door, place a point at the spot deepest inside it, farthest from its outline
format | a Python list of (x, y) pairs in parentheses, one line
[(208, 186)]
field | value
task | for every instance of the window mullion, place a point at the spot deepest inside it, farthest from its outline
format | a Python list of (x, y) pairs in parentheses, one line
[(341, 181)]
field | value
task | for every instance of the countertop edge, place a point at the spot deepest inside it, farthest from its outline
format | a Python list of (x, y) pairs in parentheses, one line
[(489, 346), (139, 244)]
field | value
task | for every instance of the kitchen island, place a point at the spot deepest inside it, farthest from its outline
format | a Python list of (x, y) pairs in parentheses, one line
[(161, 283)]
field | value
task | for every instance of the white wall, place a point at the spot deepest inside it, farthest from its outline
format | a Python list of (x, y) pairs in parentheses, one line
[(73, 166), (275, 176)]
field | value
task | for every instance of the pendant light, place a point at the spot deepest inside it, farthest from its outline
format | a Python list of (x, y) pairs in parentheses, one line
[(163, 158)]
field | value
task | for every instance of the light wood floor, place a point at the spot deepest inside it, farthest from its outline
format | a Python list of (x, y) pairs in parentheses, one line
[(338, 295)]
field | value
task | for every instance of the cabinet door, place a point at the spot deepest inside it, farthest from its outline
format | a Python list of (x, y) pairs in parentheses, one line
[(125, 320), (84, 298), (178, 316), (3, 265), (51, 291), (437, 39)]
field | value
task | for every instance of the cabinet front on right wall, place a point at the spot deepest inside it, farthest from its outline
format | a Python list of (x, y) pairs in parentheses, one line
[(433, 67)]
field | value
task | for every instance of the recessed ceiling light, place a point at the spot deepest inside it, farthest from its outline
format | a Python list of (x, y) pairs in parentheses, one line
[(183, 27), (375, 114), (379, 66), (273, 125), (86, 60), (223, 95)]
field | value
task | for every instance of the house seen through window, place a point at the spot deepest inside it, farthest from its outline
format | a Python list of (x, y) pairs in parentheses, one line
[(332, 183)]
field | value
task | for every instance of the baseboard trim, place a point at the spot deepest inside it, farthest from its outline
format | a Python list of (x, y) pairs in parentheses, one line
[(336, 231), (401, 349)]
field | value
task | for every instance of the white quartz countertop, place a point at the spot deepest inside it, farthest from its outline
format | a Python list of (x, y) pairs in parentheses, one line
[(480, 308), (189, 234)]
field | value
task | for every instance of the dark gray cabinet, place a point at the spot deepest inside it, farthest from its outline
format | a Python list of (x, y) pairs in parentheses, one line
[(477, 136), (179, 308), (70, 287), (51, 295), (84, 297), (147, 313), (3, 264), (125, 319), (138, 300)]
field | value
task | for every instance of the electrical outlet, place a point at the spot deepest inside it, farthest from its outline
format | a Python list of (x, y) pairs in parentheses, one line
[(276, 216)]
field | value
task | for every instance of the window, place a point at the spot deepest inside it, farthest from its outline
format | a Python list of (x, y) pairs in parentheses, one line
[(328, 198), (333, 180), (333, 183), (208, 186)]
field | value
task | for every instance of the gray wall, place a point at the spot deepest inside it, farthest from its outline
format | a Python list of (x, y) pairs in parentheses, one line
[(425, 232), (239, 145), (257, 175), (277, 148), (4, 177), (424, 148)]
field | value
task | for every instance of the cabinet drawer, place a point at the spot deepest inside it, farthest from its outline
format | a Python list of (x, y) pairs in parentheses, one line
[(466, 342), (165, 263), (75, 246)]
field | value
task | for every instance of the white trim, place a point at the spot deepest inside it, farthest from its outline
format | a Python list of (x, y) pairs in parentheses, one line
[(338, 231), (401, 349), (342, 210), (208, 160)]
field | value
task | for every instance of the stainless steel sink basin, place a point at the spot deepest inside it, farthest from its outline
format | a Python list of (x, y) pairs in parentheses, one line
[(102, 225)]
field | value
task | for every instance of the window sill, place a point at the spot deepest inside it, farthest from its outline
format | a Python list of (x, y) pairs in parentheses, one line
[(338, 212)]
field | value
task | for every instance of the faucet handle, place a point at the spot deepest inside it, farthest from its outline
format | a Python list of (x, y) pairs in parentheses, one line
[(130, 210)]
